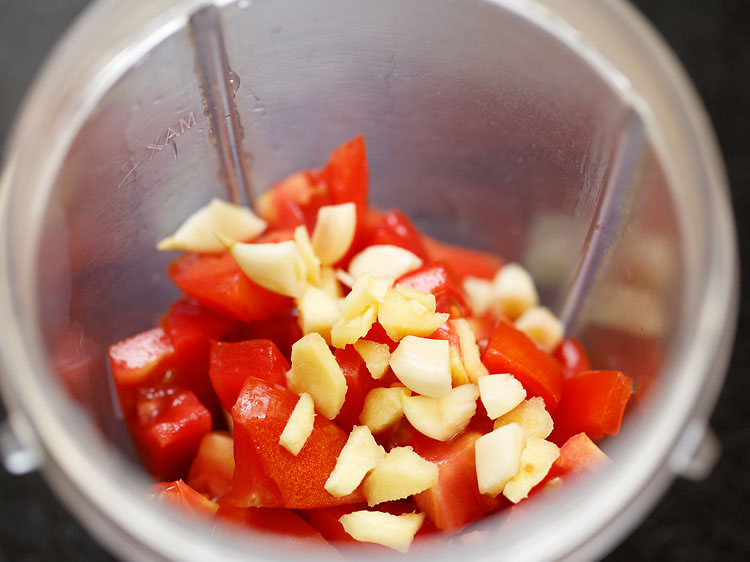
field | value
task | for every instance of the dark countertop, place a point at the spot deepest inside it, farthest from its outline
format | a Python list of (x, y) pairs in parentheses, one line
[(694, 521)]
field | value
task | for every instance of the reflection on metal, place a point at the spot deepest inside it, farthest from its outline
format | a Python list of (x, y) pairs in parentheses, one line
[(219, 84)]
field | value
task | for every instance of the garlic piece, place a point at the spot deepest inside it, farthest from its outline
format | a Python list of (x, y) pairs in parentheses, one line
[(498, 456), (334, 232), (382, 407), (423, 366), (514, 291), (536, 460), (532, 416), (481, 294), (196, 234), (500, 394), (442, 418), (405, 311), (318, 312), (384, 260), (543, 327), (312, 262), (394, 531), (276, 267), (300, 425), (472, 362)]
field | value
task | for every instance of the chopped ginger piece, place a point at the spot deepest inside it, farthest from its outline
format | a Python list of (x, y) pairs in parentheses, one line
[(375, 355), (315, 371), (536, 460), (402, 473), (358, 457), (394, 531), (383, 408), (407, 312), (300, 425)]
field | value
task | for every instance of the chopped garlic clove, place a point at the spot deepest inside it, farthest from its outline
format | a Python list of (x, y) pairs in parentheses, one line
[(384, 260), (394, 531), (442, 418), (318, 312), (196, 234), (334, 232), (472, 362), (405, 311), (383, 408), (312, 262), (330, 284), (300, 425), (276, 267), (500, 394), (532, 416), (423, 366), (514, 291), (481, 294), (358, 457), (402, 473), (543, 327), (315, 371), (536, 460), (498, 456), (375, 355)]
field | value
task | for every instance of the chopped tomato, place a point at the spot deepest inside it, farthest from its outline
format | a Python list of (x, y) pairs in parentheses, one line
[(438, 279), (183, 496), (190, 327), (358, 384), (455, 501), (266, 474), (378, 334), (283, 330), (213, 466), (346, 174), (593, 402), (167, 425), (216, 282), (231, 363), (465, 262), (511, 351), (579, 453), (572, 357), (141, 358), (294, 201), (396, 229)]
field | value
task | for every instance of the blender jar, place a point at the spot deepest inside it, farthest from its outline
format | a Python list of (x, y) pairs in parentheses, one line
[(561, 135)]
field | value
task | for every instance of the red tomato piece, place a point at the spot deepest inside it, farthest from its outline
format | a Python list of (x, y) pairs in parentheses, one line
[(266, 474), (190, 327), (438, 279), (277, 521), (216, 282), (359, 383), (185, 498), (144, 357), (167, 426), (512, 351), (455, 501), (282, 330), (378, 334), (346, 174), (464, 261), (593, 402), (231, 363), (294, 201), (213, 466), (397, 229), (572, 357), (579, 453)]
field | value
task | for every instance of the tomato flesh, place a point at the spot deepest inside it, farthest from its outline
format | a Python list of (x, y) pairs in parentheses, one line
[(217, 282), (579, 453), (511, 351), (465, 261), (140, 358), (184, 497), (231, 363), (438, 279), (213, 466), (572, 357), (358, 384), (266, 474), (396, 229)]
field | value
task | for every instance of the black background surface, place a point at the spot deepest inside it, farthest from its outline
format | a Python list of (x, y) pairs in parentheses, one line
[(695, 521)]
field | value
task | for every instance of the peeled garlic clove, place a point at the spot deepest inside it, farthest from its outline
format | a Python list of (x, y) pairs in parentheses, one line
[(277, 267), (196, 234), (312, 262), (514, 291), (384, 260), (334, 232), (423, 366), (543, 327)]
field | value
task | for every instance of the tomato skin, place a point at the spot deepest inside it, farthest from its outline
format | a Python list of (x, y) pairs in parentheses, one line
[(579, 453), (464, 261), (185, 498), (359, 383), (217, 282), (455, 501), (438, 279), (190, 328), (266, 474), (572, 357), (346, 174), (294, 201), (511, 351), (282, 330), (396, 228), (141, 358), (594, 403), (213, 466), (167, 425), (231, 363)]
